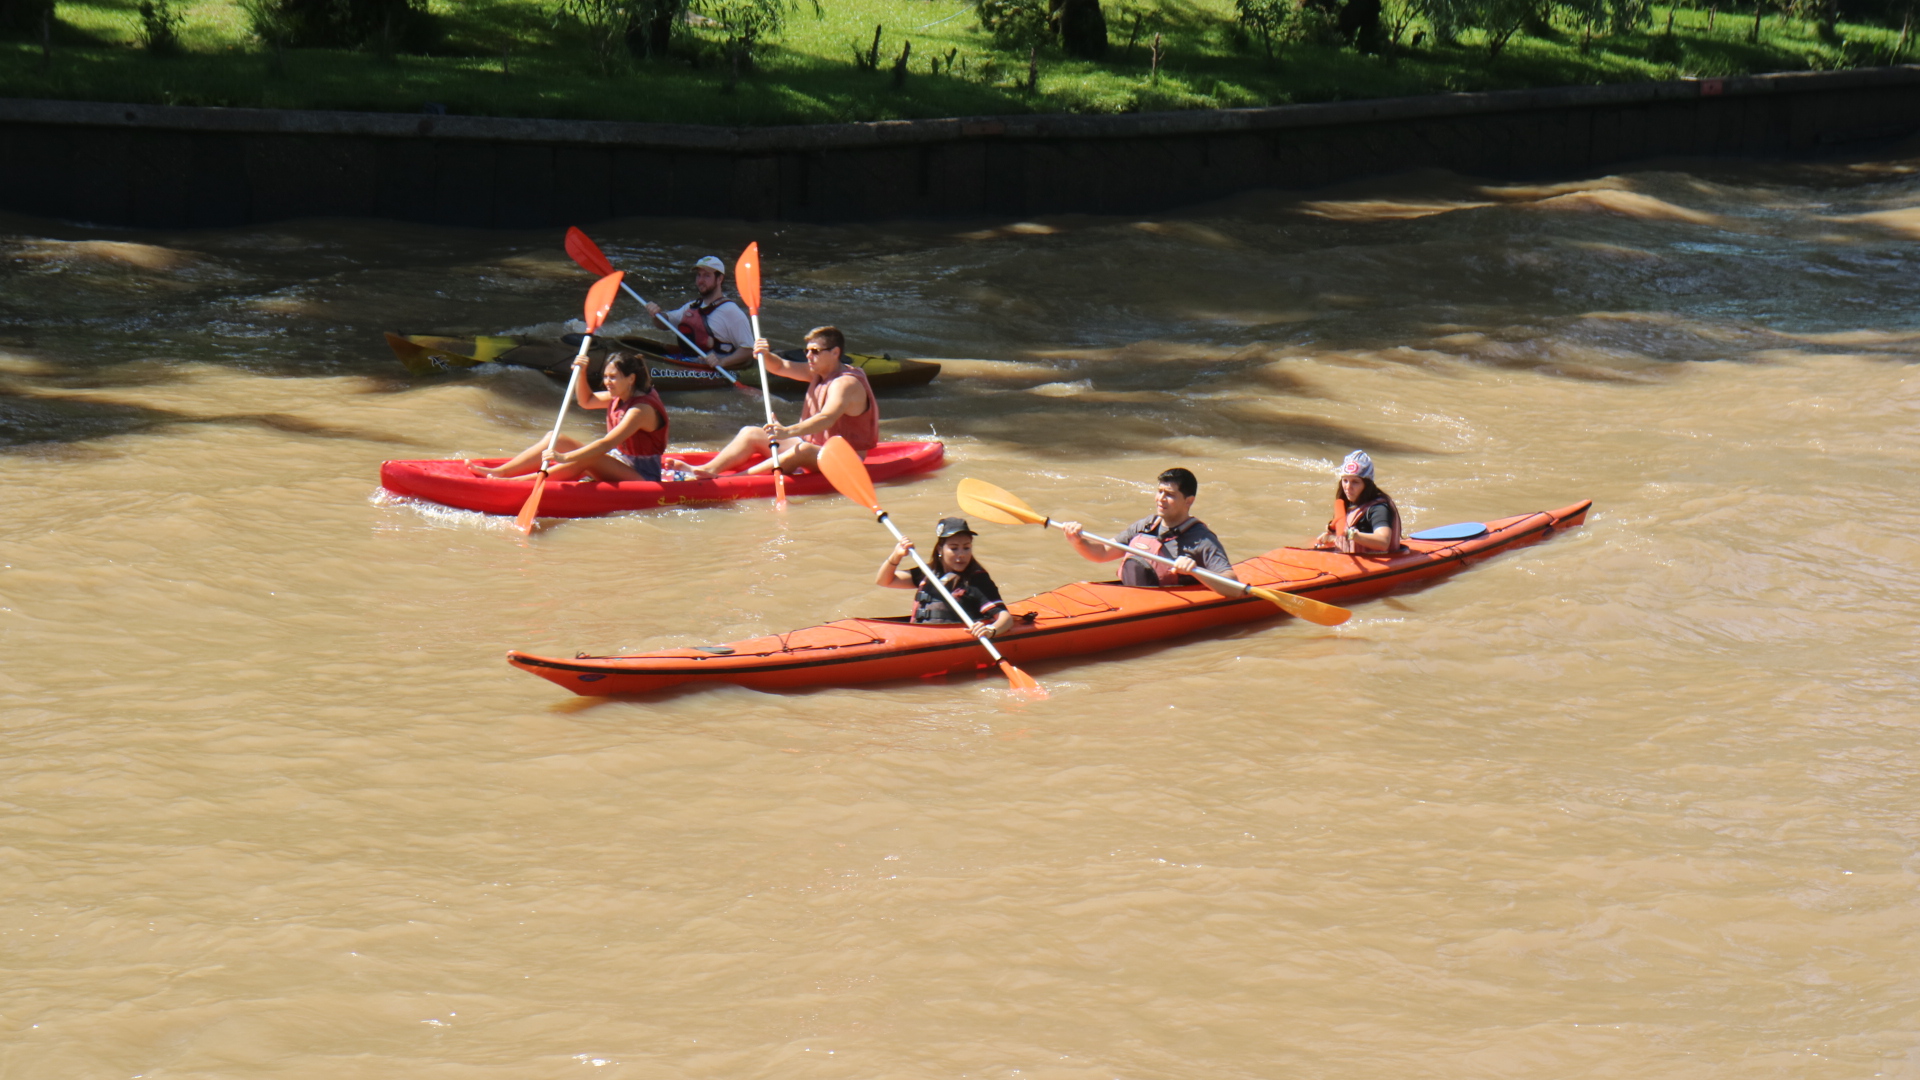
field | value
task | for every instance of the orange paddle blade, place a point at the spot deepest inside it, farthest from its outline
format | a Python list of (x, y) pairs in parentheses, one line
[(746, 277), (1022, 683), (600, 300), (587, 254), (779, 490), (531, 508), (842, 467)]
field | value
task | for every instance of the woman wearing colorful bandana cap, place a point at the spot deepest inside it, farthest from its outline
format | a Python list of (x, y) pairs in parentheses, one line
[(1365, 521)]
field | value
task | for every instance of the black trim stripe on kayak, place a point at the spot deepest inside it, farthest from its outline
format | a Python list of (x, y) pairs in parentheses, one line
[(969, 643)]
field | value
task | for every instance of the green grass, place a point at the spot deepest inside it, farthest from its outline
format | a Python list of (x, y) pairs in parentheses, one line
[(807, 75)]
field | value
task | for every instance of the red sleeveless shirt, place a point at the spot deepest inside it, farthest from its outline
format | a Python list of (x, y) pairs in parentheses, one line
[(862, 431), (641, 443)]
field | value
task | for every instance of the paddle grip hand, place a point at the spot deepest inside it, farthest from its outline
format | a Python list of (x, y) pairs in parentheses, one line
[(1184, 564)]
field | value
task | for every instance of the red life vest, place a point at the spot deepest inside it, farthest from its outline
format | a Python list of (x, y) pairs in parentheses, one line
[(862, 431), (642, 443), (694, 323), (1345, 518), (1151, 544)]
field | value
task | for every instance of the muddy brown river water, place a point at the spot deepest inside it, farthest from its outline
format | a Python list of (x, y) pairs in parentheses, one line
[(1640, 801)]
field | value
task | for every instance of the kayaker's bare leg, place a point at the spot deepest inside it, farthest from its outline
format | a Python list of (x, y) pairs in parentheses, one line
[(750, 442), (526, 461), (794, 454)]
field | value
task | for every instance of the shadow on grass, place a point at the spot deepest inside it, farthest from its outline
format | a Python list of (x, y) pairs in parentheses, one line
[(1205, 65)]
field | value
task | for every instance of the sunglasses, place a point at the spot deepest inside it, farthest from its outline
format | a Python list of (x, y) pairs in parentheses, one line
[(812, 349)]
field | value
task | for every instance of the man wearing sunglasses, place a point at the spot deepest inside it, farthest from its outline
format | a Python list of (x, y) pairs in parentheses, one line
[(839, 402)]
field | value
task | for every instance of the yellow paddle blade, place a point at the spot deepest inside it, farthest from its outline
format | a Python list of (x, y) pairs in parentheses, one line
[(842, 467), (981, 499), (1311, 610), (488, 349)]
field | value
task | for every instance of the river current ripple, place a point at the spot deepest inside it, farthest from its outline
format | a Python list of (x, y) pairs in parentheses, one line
[(1640, 801)]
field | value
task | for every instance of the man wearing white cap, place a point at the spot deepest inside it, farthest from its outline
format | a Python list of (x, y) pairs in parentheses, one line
[(1365, 521), (713, 320)]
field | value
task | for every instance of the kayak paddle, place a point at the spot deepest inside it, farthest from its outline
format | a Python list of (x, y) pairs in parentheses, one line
[(582, 249), (599, 301), (980, 499), (746, 278), (842, 466)]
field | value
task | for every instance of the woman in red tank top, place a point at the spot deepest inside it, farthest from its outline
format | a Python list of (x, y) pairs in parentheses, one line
[(636, 430)]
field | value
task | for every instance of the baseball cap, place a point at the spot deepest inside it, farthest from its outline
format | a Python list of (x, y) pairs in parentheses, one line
[(711, 262), (952, 527), (1356, 464)]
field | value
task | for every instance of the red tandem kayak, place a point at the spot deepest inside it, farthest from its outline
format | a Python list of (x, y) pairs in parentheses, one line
[(448, 483), (1083, 618)]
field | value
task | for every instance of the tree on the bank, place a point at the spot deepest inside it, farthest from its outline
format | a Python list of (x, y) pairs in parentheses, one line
[(1080, 26), (739, 27)]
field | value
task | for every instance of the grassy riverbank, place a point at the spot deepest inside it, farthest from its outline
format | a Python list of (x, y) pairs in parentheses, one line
[(514, 58)]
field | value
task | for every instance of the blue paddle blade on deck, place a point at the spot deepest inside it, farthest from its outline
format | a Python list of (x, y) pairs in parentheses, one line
[(1466, 530)]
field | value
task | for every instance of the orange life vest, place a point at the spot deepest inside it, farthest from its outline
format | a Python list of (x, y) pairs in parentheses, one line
[(1345, 518)]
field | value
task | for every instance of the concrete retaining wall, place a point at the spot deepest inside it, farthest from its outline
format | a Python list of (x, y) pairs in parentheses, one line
[(167, 166)]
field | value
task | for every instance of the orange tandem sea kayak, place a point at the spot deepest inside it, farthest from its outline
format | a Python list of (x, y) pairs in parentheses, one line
[(1082, 618), (448, 483)]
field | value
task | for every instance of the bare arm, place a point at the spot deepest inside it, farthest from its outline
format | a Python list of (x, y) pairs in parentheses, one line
[(584, 396), (843, 397), (1384, 541), (1091, 550), (777, 365), (891, 576), (638, 418), (1000, 625)]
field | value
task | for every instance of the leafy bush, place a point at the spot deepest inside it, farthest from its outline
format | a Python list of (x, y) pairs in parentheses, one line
[(1273, 22), (159, 27), (1016, 24), (608, 24), (340, 24), (743, 26)]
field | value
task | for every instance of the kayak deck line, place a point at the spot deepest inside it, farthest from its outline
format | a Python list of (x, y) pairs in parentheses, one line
[(1074, 619)]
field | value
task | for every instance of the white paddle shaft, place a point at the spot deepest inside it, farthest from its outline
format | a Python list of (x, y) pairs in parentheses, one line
[(1204, 575), (573, 378), (944, 594), (766, 392), (662, 320)]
